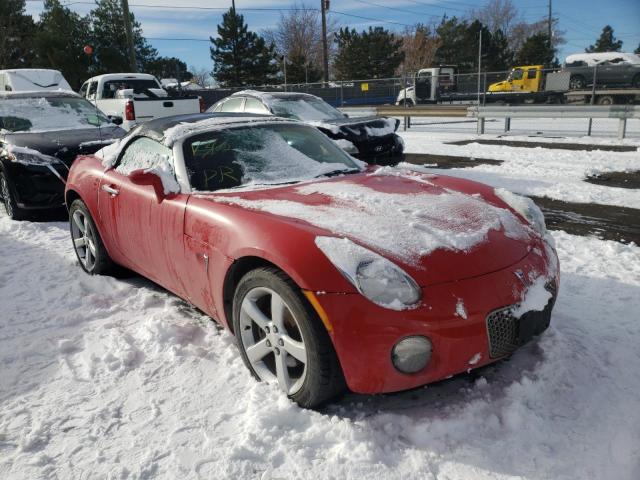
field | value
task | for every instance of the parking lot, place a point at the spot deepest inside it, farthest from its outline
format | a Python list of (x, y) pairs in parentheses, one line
[(117, 378)]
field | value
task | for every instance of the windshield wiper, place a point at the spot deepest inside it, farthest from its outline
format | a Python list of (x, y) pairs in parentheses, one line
[(334, 173)]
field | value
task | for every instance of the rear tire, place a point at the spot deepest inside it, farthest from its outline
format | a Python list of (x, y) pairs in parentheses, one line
[(605, 100), (271, 319), (92, 255), (8, 200)]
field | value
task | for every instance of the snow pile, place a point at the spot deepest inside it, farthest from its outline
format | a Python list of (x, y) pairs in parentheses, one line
[(534, 299), (151, 162), (186, 129), (460, 310), (53, 113), (389, 127), (543, 172), (109, 154), (37, 79), (406, 226), (525, 207), (29, 156)]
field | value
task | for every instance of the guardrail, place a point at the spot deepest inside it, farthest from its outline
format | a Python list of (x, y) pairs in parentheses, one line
[(621, 112), (422, 111)]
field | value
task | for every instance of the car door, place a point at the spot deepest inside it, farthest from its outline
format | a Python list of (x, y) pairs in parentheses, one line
[(423, 87), (144, 227)]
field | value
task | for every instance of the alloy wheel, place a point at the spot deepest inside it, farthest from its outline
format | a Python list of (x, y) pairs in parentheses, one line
[(84, 240), (272, 339)]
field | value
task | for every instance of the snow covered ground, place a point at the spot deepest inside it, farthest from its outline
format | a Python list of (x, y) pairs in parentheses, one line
[(116, 378)]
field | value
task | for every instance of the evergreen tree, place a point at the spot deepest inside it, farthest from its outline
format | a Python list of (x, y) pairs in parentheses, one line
[(241, 57), (374, 53), (637, 50), (536, 51), (452, 50), (301, 70), (169, 67), (606, 42), (459, 46), (110, 40), (60, 40), (16, 35)]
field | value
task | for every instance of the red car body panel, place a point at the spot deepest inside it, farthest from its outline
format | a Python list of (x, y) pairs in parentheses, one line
[(187, 243)]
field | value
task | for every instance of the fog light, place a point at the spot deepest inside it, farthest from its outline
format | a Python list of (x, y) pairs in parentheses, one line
[(411, 354)]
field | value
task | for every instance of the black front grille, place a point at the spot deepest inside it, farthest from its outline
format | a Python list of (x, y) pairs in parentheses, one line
[(502, 328), (507, 332)]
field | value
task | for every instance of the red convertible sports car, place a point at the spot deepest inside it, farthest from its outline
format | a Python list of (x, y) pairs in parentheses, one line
[(330, 274)]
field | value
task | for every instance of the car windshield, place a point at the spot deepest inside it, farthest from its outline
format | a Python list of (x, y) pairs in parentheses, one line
[(265, 154), (41, 114), (303, 108)]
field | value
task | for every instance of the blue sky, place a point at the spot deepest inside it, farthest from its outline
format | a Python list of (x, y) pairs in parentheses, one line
[(581, 20)]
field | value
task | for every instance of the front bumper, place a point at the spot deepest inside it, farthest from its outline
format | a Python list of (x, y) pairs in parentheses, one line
[(364, 334), (375, 147), (36, 187)]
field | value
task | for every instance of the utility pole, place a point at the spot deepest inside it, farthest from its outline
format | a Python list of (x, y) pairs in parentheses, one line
[(324, 5), (549, 20), (479, 63), (133, 65)]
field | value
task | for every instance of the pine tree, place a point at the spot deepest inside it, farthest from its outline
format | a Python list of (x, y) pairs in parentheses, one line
[(301, 70), (374, 53), (59, 42), (169, 67), (16, 34), (110, 40), (452, 49), (606, 42), (536, 51), (240, 56)]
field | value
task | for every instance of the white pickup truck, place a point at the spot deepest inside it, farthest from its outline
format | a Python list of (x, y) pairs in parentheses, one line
[(133, 98)]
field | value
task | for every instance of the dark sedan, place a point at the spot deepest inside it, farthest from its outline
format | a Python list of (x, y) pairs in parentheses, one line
[(367, 138), (41, 133)]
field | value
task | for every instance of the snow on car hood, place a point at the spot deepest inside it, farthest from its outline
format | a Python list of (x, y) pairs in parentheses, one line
[(400, 214), (369, 126)]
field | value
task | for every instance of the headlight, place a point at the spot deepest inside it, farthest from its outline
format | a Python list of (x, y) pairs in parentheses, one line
[(375, 277), (525, 207)]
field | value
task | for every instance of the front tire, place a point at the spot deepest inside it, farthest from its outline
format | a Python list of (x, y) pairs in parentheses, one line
[(92, 255), (8, 200), (282, 340)]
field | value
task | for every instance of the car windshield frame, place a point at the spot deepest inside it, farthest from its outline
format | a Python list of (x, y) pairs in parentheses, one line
[(317, 105), (34, 114), (270, 151)]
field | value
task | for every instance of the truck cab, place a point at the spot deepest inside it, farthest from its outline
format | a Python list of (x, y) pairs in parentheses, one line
[(428, 85), (526, 78)]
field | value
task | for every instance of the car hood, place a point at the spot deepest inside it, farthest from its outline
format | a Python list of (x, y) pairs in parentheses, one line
[(358, 128), (65, 145), (437, 228)]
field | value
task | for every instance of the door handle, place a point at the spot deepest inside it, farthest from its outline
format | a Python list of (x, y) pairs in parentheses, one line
[(110, 190)]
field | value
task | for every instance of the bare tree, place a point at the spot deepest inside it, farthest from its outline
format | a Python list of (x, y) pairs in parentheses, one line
[(497, 15), (419, 44), (299, 33), (523, 30), (201, 76)]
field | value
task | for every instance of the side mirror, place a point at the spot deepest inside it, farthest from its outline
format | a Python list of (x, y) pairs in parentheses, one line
[(115, 119), (144, 177)]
